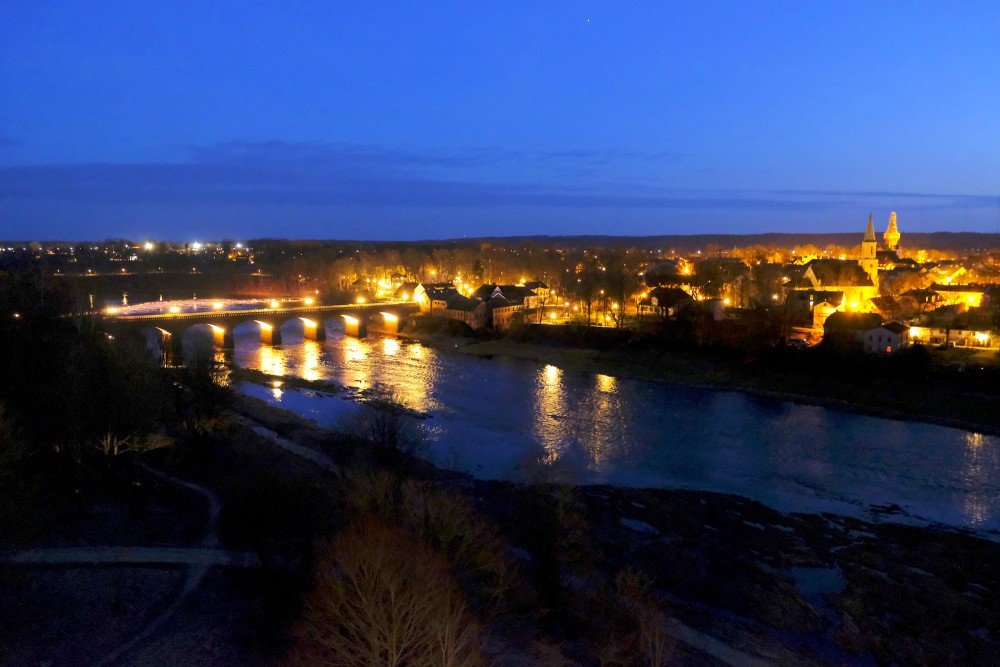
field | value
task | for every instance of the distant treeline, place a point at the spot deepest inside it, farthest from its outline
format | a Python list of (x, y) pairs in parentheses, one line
[(688, 243), (680, 243)]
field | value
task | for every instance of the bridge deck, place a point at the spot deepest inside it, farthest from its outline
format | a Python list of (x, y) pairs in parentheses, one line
[(265, 312)]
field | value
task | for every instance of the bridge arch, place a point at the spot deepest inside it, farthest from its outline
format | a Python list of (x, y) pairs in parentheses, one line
[(269, 333), (160, 343), (355, 326), (219, 337), (390, 322), (311, 329)]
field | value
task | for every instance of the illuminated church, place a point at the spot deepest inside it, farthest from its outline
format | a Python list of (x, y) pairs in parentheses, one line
[(826, 286), (872, 259)]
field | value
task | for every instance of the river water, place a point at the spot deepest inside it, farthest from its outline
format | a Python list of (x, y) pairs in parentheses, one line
[(510, 419)]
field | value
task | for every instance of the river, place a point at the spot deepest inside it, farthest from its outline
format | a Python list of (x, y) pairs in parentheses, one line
[(510, 419)]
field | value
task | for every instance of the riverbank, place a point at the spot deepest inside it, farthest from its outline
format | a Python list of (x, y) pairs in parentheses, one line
[(722, 579), (929, 395), (554, 574)]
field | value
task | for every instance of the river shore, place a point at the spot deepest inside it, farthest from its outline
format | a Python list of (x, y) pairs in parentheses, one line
[(890, 397)]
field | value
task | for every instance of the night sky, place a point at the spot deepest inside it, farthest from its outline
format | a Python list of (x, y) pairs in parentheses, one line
[(189, 120)]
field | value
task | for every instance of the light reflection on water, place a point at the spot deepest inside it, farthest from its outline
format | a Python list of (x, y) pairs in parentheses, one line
[(498, 418), (981, 464)]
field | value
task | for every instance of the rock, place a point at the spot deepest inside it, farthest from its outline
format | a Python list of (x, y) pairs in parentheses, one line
[(848, 637)]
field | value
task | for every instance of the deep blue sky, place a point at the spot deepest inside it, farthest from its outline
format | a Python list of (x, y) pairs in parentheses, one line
[(188, 120)]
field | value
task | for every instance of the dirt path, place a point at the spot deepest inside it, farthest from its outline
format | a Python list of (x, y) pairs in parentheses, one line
[(134, 556), (195, 574), (320, 459)]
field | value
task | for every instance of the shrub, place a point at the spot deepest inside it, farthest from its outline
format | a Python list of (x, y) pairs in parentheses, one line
[(444, 520), (384, 598), (386, 422)]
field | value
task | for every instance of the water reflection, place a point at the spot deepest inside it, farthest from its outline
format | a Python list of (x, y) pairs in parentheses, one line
[(272, 360), (550, 413), (223, 375), (351, 362), (353, 350), (310, 360), (489, 417), (608, 425), (980, 466)]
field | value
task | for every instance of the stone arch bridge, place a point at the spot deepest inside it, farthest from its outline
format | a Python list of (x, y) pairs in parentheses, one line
[(169, 328)]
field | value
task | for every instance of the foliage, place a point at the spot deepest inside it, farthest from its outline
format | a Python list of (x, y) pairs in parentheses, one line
[(445, 521), (383, 598), (436, 324)]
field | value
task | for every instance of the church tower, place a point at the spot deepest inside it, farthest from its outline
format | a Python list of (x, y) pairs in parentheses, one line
[(891, 236), (869, 260)]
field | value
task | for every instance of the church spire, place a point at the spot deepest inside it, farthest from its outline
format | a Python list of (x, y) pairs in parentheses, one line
[(869, 252), (870, 232), (891, 236)]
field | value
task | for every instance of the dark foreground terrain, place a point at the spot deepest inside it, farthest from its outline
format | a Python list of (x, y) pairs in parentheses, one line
[(540, 574)]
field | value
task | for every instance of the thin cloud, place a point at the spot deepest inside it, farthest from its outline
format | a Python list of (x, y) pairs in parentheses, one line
[(949, 199), (272, 184), (402, 156), (400, 192)]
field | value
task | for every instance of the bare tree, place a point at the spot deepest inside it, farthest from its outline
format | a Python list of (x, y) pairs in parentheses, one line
[(386, 421), (384, 598), (112, 445)]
